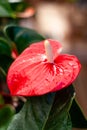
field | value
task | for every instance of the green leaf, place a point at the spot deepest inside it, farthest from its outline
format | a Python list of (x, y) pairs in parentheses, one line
[(34, 114), (22, 37), (5, 62), (6, 114), (2, 73), (59, 118), (1, 100), (5, 49), (77, 117), (19, 6), (5, 9), (47, 112)]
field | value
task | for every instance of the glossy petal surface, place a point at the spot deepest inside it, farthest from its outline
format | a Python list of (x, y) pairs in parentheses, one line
[(31, 74)]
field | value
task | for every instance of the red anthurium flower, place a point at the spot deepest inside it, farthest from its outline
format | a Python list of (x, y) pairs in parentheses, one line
[(41, 69)]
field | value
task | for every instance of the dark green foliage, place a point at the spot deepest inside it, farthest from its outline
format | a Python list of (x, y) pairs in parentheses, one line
[(77, 118), (6, 114), (47, 112), (22, 37), (5, 48), (5, 62)]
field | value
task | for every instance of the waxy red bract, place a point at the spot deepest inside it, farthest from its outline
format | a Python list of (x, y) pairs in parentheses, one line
[(31, 74)]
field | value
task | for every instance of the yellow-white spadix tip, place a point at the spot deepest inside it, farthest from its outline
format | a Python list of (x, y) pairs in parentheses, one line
[(48, 50)]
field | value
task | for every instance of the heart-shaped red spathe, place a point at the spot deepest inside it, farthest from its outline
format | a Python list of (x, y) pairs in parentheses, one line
[(31, 74)]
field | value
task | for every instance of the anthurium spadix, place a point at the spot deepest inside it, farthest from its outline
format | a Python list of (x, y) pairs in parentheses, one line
[(41, 69)]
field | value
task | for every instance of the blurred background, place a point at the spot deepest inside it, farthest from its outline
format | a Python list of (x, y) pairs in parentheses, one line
[(65, 21)]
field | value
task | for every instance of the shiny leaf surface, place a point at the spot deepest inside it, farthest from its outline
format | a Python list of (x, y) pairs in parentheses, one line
[(5, 62), (22, 37), (34, 114), (5, 49), (59, 118), (47, 112)]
